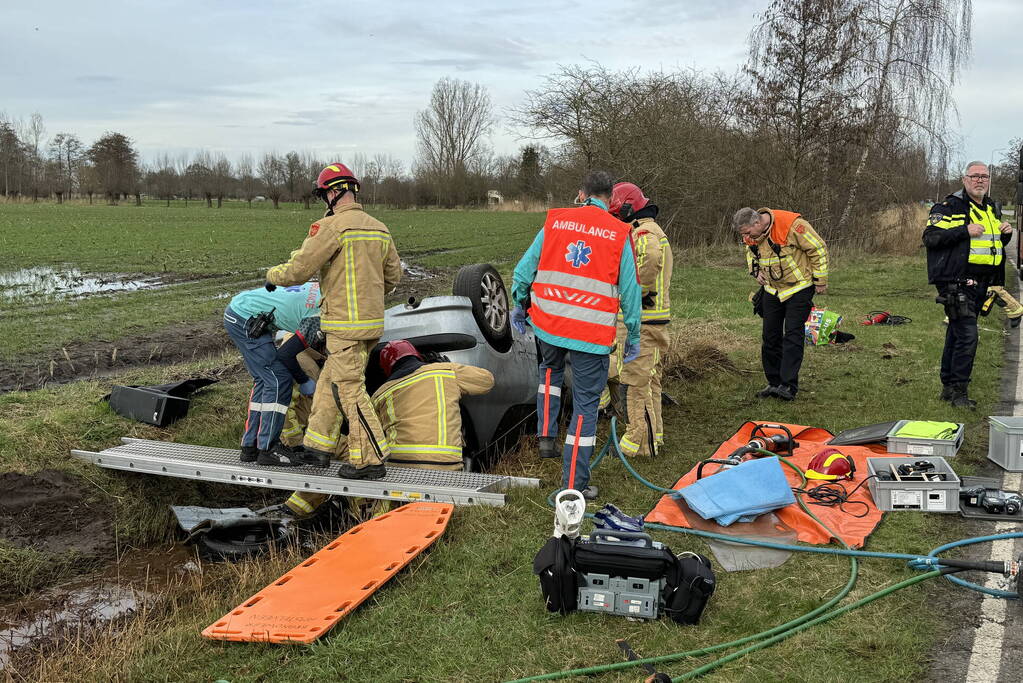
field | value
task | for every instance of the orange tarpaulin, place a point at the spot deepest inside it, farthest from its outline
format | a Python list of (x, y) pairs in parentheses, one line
[(853, 530)]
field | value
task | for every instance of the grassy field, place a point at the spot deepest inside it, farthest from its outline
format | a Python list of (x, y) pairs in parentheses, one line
[(469, 609)]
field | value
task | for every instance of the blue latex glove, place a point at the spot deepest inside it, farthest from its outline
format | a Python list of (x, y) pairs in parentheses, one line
[(307, 388), (518, 319), (269, 286), (630, 353)]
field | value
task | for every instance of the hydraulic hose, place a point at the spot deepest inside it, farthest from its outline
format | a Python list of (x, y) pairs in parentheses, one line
[(938, 566)]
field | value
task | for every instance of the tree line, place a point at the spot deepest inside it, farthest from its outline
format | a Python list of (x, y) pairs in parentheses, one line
[(841, 110)]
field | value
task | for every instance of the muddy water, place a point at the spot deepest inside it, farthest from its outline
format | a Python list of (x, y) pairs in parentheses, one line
[(64, 612), (66, 282), (413, 272)]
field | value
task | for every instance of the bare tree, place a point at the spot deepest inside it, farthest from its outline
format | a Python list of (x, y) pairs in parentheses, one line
[(272, 173), (909, 56), (163, 178), (294, 176), (221, 177), (116, 164), (65, 154), (12, 155), (34, 133), (452, 136), (248, 184)]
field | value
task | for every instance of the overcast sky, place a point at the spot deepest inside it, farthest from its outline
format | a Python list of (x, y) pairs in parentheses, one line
[(342, 77)]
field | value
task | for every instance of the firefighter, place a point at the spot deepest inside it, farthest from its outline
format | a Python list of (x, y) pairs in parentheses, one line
[(965, 239), (358, 264), (641, 379), (790, 261), (250, 319), (419, 407), (575, 276)]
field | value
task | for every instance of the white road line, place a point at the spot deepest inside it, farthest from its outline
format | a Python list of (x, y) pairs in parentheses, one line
[(986, 657)]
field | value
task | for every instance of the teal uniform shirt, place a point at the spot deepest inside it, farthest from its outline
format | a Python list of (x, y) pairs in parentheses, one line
[(291, 305)]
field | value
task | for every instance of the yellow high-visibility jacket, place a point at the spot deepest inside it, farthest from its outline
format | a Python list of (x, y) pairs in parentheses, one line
[(420, 413), (358, 265), (654, 263), (793, 261)]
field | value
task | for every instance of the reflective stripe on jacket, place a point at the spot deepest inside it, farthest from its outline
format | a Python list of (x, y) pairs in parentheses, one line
[(575, 291), (791, 254), (987, 249), (421, 417), (358, 265), (952, 254), (654, 263)]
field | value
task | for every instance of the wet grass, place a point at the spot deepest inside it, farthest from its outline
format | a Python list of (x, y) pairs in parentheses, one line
[(469, 609), (216, 252)]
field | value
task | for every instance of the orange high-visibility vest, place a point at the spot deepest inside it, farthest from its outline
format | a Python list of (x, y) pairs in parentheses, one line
[(575, 291)]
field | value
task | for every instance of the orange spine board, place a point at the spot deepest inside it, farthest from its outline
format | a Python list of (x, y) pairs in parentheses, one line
[(307, 601)]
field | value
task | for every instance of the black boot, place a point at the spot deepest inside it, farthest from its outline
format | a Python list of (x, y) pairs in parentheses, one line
[(785, 393), (961, 398), (311, 456), (548, 449), (350, 471), (274, 456), (946, 392), (770, 391), (249, 453)]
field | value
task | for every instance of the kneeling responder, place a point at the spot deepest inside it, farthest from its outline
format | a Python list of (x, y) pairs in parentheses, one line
[(250, 319), (965, 239), (789, 260), (358, 264), (575, 276), (641, 378), (419, 407)]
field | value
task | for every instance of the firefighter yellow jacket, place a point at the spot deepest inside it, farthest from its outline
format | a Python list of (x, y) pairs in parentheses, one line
[(654, 265), (421, 417), (793, 261), (358, 264)]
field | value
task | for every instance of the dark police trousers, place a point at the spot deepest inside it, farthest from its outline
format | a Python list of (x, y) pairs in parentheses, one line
[(961, 338), (781, 351)]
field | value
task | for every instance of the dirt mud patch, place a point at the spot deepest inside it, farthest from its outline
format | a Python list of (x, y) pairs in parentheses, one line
[(74, 361), (47, 511)]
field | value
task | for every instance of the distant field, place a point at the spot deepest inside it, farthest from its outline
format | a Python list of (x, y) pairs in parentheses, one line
[(214, 253)]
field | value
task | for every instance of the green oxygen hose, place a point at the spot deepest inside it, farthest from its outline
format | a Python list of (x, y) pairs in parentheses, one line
[(768, 637), (775, 632)]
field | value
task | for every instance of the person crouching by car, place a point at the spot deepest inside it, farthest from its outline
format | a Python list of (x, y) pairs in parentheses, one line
[(251, 319), (419, 408)]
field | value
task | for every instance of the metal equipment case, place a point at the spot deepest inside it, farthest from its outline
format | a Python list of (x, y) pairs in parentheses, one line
[(1004, 442), (913, 445), (923, 496)]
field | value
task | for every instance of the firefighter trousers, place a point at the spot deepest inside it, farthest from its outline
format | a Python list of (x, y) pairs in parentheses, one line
[(342, 384), (641, 380)]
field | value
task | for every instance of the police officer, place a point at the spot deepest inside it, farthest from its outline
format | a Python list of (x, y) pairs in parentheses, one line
[(641, 378), (790, 261), (965, 239), (575, 276), (358, 264)]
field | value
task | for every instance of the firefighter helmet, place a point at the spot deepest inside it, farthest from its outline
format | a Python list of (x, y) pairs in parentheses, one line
[(831, 464), (335, 177), (394, 351), (626, 199)]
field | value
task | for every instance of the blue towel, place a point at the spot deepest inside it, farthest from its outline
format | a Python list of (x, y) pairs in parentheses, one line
[(740, 493)]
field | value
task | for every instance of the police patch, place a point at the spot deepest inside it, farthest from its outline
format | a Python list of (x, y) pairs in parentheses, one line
[(313, 229), (935, 218)]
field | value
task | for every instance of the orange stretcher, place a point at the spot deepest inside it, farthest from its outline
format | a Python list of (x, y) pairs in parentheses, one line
[(306, 602), (853, 530)]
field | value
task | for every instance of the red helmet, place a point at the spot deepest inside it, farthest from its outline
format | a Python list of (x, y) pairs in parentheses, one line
[(831, 464), (626, 199), (335, 177), (394, 351)]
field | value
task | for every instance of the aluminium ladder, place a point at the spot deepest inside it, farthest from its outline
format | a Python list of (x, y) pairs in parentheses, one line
[(224, 466)]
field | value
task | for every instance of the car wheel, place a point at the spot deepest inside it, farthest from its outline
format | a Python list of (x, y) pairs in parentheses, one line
[(483, 285), (239, 543)]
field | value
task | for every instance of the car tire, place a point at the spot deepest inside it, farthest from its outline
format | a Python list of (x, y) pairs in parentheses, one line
[(483, 286), (240, 543)]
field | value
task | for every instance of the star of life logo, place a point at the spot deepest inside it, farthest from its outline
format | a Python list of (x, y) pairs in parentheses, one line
[(578, 254)]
